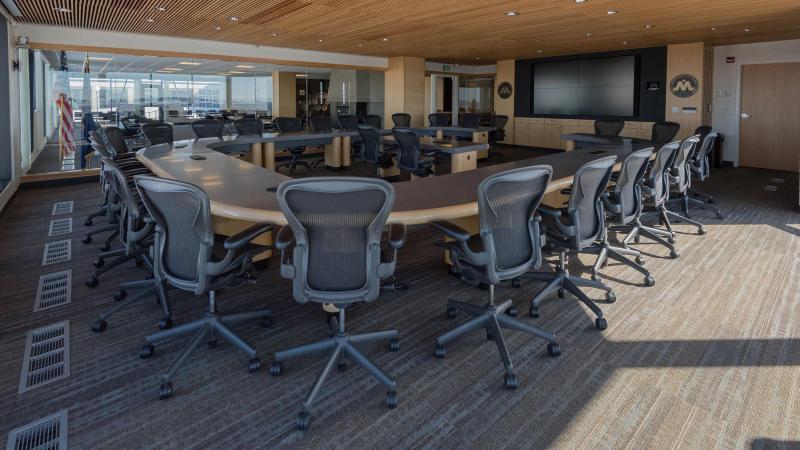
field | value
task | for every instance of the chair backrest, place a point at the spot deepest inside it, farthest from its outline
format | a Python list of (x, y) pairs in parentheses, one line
[(208, 128), (130, 215), (702, 130), (439, 119), (500, 122), (627, 190), (157, 132), (585, 208), (115, 139), (337, 224), (184, 232), (608, 127), (401, 120), (372, 143), (321, 124), (249, 127), (373, 120), (288, 124), (507, 202), (680, 163), (98, 142), (664, 132), (656, 177), (702, 157), (471, 120), (408, 141), (348, 122)]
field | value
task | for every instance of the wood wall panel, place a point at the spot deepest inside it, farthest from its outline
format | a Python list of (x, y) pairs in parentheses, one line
[(504, 72), (685, 58), (405, 89)]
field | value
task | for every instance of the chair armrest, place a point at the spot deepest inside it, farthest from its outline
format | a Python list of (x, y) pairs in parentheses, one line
[(451, 230), (397, 235), (549, 211), (244, 237), (285, 238)]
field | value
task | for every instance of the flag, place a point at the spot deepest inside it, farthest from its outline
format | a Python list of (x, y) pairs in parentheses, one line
[(66, 134)]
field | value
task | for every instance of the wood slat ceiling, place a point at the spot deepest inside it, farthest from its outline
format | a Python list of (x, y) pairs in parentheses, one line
[(460, 31)]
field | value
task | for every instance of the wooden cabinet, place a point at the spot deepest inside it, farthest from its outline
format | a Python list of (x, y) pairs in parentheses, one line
[(546, 132)]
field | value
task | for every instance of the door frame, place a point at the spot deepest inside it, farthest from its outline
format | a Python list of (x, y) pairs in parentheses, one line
[(738, 100), (454, 112)]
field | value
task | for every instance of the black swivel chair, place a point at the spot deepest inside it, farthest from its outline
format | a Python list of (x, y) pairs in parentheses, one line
[(498, 134), (373, 120), (249, 127), (577, 227), (471, 120), (188, 256), (292, 125), (332, 251), (157, 132), (372, 148), (664, 132), (208, 128), (409, 157), (508, 246), (401, 120), (439, 119), (700, 167), (608, 127), (680, 180)]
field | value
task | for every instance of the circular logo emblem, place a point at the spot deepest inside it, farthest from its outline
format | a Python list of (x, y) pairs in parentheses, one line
[(504, 89), (683, 85)]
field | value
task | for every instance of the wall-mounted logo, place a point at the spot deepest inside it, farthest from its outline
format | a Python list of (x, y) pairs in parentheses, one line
[(504, 90), (683, 85)]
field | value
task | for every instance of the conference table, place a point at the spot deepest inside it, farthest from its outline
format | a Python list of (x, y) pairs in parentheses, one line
[(574, 139)]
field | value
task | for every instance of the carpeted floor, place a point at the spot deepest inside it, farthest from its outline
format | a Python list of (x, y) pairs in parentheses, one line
[(707, 358)]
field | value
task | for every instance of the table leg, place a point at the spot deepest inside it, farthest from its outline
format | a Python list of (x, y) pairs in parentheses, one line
[(268, 155), (257, 154), (462, 162), (481, 137), (392, 171), (439, 134), (333, 154), (346, 151), (569, 146)]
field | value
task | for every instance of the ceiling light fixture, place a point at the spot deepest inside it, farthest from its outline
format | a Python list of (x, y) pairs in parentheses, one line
[(512, 13), (649, 26), (385, 39), (172, 69), (319, 40), (233, 18), (242, 66), (217, 27), (611, 12), (149, 19), (588, 34), (62, 9), (477, 57), (713, 28), (360, 45), (189, 63), (624, 42), (160, 8), (236, 72), (99, 58), (274, 34), (538, 51), (580, 1), (747, 30)]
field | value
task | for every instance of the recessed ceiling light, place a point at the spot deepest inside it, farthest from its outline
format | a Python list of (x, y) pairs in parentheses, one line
[(713, 28), (160, 8), (512, 13), (360, 45), (99, 58), (189, 63), (62, 9), (580, 1), (477, 57), (611, 12), (649, 26), (538, 51), (236, 72), (274, 34), (217, 27), (747, 30), (385, 39), (319, 40), (233, 18), (624, 42), (149, 19), (588, 34), (172, 68), (243, 66)]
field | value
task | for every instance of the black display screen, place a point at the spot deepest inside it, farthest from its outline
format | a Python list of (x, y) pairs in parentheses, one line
[(586, 87)]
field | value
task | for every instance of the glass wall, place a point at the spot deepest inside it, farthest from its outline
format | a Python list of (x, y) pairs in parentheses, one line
[(476, 94), (126, 90)]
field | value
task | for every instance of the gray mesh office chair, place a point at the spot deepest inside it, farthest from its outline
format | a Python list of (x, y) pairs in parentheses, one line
[(373, 120), (700, 167), (401, 120), (372, 148), (576, 227), (664, 132), (321, 124), (249, 127), (292, 125), (331, 250), (439, 119), (157, 132), (348, 122), (508, 245), (187, 256), (680, 180), (409, 156), (470, 120), (208, 128), (623, 206), (608, 127)]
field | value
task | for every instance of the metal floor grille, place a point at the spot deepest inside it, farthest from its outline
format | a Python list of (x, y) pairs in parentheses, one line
[(57, 252), (54, 289), (60, 226), (48, 433), (46, 356), (62, 208)]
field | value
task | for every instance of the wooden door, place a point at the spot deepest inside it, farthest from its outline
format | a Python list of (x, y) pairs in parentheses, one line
[(769, 122)]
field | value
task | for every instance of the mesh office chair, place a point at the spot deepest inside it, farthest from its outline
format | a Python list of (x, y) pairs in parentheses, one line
[(623, 206), (249, 127), (321, 124), (187, 256), (471, 120), (680, 180), (576, 227), (498, 135), (373, 120), (331, 250), (700, 167), (608, 127), (373, 152), (401, 120), (157, 132), (508, 245), (664, 132), (208, 128), (292, 125), (703, 130), (409, 156), (439, 119), (655, 193)]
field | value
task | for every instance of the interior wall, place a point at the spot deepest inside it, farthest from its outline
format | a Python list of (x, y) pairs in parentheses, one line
[(505, 73), (405, 89), (727, 79), (10, 137), (685, 59)]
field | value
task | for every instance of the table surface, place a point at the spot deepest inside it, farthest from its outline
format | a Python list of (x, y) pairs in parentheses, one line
[(605, 140), (240, 190)]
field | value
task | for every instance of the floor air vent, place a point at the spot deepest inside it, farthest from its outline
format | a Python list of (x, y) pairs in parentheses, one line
[(62, 208), (48, 433), (57, 252), (54, 289), (46, 356), (60, 226)]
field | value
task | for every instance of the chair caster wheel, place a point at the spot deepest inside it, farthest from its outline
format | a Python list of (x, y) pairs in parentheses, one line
[(637, 240), (451, 312), (98, 263), (266, 322), (671, 240), (673, 254), (164, 323), (276, 368), (562, 293), (394, 345), (88, 223), (391, 399), (165, 391), (512, 311), (212, 343), (253, 365), (99, 326), (87, 239), (553, 349), (119, 296), (640, 260), (534, 312), (341, 367), (303, 421), (510, 381), (649, 281), (440, 351), (489, 336), (105, 247), (610, 297), (701, 231), (92, 282), (147, 351), (515, 283), (600, 323)]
